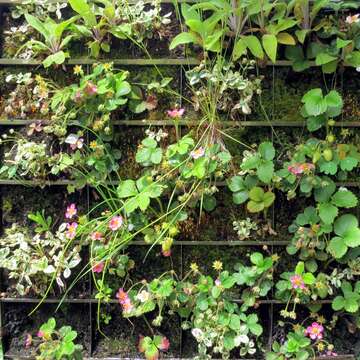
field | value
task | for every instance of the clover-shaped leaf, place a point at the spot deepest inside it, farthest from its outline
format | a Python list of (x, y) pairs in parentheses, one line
[(348, 235)]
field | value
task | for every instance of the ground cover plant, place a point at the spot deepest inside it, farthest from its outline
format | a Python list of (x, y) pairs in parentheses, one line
[(188, 222)]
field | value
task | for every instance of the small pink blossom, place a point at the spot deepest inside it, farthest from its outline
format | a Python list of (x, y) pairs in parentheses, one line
[(176, 113), (127, 306), (78, 96), (40, 334), (165, 344), (121, 295), (166, 253), (298, 169), (90, 88), (297, 282), (78, 144), (71, 211), (116, 223), (351, 19), (98, 268), (28, 341), (124, 300), (315, 331), (198, 153), (71, 230), (97, 236), (331, 353), (217, 282)]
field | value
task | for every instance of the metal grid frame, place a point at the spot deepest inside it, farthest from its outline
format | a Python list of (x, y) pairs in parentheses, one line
[(177, 63)]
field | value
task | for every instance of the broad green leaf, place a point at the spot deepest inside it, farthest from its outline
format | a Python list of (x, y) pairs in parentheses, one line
[(254, 45), (285, 39), (267, 150), (315, 104), (256, 194), (337, 247), (184, 38), (345, 222), (327, 212), (57, 58), (239, 49), (345, 199), (265, 171), (270, 46), (85, 11), (126, 189), (324, 58)]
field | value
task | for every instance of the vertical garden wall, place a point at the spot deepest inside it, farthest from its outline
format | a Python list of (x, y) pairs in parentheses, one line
[(180, 179)]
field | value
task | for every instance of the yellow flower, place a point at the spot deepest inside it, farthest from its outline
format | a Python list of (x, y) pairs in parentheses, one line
[(275, 257), (78, 70), (108, 67), (93, 144), (194, 267), (38, 78), (217, 265)]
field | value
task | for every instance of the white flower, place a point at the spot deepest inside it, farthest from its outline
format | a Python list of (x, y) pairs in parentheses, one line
[(197, 333), (353, 19), (143, 296), (241, 339)]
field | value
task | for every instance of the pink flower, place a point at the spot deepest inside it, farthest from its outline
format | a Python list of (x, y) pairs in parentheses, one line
[(71, 211), (217, 282), (40, 334), (78, 144), (98, 268), (122, 295), (176, 113), (124, 300), (28, 341), (352, 19), (198, 153), (297, 282), (165, 344), (298, 169), (78, 96), (71, 230), (166, 253), (74, 141), (116, 223), (127, 306), (331, 353), (315, 331), (97, 235), (90, 88)]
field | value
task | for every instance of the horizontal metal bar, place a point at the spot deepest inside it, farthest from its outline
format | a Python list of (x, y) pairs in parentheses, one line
[(9, 300), (19, 2), (17, 357), (13, 182), (161, 122), (87, 61)]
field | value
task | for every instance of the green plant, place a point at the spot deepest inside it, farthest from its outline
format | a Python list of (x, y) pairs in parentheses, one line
[(34, 262), (43, 223), (54, 42), (346, 227), (350, 300), (58, 344), (152, 346), (318, 109)]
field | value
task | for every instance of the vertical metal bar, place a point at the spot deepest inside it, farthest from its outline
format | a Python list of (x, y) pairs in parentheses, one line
[(273, 222), (181, 73), (2, 346), (89, 252)]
